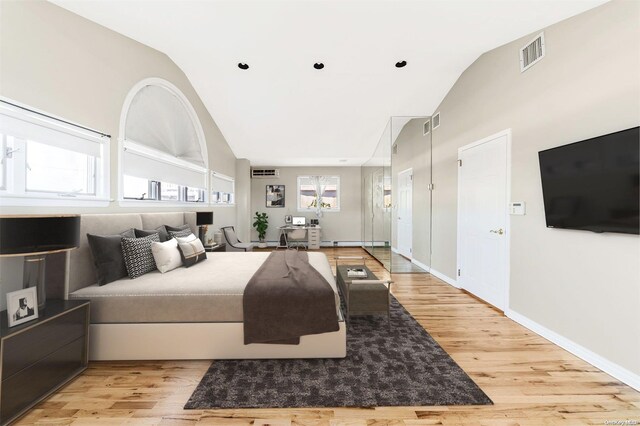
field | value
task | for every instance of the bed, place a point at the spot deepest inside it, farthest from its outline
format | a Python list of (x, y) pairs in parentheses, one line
[(187, 313)]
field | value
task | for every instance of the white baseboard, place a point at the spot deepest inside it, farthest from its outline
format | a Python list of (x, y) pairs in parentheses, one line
[(420, 264), (341, 243), (444, 278), (395, 250), (585, 354)]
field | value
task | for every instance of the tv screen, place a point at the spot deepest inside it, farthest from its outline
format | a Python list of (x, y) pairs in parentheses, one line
[(594, 184)]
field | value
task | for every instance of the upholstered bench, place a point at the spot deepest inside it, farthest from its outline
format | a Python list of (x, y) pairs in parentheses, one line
[(363, 295)]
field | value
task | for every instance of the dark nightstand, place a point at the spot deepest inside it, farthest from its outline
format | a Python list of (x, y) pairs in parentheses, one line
[(217, 247), (40, 356)]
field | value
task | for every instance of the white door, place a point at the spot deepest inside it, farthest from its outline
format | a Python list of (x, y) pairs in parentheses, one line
[(404, 218), (483, 185)]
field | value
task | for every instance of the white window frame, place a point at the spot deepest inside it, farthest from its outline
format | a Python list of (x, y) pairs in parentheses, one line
[(140, 149), (212, 188), (324, 210), (14, 192)]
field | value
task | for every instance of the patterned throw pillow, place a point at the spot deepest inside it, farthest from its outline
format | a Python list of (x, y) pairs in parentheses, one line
[(191, 250), (180, 234), (138, 256)]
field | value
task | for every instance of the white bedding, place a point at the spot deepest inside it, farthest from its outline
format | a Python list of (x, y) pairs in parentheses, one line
[(208, 291)]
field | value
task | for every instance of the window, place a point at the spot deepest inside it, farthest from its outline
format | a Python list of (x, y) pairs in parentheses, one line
[(222, 189), (46, 158), (328, 188), (163, 149)]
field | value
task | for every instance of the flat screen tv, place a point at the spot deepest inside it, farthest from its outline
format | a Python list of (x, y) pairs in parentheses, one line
[(594, 184)]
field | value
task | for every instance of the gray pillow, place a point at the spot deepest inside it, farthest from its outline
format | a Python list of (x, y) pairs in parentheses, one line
[(107, 256), (170, 229), (138, 256), (162, 233)]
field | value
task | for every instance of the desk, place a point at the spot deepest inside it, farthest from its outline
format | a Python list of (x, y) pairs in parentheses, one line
[(313, 236)]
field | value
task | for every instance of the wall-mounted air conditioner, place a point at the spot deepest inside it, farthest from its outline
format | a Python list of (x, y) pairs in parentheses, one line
[(264, 173)]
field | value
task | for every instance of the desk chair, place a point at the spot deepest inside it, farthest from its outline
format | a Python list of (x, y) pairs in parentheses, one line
[(233, 244), (297, 238)]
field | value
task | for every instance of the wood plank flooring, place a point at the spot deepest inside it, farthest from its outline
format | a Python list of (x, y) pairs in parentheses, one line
[(531, 381)]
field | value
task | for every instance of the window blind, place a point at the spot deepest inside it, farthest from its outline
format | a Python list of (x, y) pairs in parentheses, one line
[(57, 137), (145, 166), (159, 120), (221, 183)]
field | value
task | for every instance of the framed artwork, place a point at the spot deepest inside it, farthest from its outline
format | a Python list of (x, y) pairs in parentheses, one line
[(274, 196), (22, 306)]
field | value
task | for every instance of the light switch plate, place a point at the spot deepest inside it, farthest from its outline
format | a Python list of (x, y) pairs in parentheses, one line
[(517, 208)]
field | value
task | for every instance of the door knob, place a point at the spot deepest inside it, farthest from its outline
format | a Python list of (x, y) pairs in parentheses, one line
[(499, 231)]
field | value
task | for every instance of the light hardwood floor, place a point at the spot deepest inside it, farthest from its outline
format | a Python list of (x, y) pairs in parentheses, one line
[(531, 381)]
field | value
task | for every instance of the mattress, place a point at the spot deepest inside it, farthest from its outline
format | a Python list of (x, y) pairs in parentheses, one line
[(209, 291)]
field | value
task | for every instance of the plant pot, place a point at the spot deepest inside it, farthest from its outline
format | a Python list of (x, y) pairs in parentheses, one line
[(262, 243)]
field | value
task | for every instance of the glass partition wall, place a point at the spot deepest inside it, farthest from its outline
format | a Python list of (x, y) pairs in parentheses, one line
[(396, 196)]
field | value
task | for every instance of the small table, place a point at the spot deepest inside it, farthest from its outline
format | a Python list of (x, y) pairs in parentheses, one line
[(363, 296), (216, 247)]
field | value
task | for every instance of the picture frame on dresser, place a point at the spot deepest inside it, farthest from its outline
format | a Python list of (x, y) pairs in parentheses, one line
[(22, 306)]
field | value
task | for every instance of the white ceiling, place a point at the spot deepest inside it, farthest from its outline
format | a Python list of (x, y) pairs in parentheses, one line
[(283, 112)]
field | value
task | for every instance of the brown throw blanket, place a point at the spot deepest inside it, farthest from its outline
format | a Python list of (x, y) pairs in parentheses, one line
[(287, 298)]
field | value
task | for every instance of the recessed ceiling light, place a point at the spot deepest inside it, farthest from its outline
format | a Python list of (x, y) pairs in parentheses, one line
[(318, 65), (401, 64), (243, 66)]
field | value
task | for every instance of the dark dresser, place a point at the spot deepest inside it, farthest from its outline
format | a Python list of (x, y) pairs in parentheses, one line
[(40, 356)]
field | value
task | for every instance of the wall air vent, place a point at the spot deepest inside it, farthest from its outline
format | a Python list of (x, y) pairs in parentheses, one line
[(264, 173), (426, 127), (532, 53), (436, 120)]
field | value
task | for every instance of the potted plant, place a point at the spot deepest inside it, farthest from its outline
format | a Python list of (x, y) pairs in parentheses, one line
[(261, 224)]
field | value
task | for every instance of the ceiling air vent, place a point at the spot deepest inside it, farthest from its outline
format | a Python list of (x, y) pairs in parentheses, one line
[(426, 127), (436, 120), (264, 173), (532, 53)]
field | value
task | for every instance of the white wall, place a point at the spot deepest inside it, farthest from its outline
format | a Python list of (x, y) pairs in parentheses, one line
[(344, 225), (61, 63), (583, 286), (243, 199)]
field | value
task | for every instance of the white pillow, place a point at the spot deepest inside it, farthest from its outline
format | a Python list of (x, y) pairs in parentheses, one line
[(166, 255)]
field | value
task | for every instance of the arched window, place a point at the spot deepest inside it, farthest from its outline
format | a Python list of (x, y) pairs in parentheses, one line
[(163, 150)]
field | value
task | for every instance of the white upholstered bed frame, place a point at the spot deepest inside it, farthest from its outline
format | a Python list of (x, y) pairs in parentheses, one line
[(177, 340)]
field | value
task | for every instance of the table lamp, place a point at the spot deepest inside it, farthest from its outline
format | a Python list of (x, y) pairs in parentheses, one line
[(34, 237), (202, 220)]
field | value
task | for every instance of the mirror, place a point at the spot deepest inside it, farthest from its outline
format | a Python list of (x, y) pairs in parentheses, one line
[(396, 196)]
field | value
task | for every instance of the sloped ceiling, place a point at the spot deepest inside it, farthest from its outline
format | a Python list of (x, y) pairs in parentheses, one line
[(282, 111)]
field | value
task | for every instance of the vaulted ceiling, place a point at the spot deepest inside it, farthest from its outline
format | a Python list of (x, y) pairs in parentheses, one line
[(282, 111)]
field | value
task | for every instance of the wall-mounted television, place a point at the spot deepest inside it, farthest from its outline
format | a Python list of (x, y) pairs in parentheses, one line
[(594, 184)]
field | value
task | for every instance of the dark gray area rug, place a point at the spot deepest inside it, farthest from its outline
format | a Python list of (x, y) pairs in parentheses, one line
[(397, 366)]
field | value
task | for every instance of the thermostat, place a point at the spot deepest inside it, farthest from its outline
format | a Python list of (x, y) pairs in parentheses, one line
[(517, 208)]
